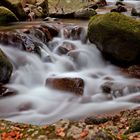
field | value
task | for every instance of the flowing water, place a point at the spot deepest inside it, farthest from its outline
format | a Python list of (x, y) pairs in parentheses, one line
[(36, 103)]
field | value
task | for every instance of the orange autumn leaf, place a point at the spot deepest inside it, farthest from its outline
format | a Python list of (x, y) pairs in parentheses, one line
[(60, 132), (13, 135), (84, 133)]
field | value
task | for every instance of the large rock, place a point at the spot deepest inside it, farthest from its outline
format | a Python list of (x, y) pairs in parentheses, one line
[(116, 36), (16, 6), (6, 15), (25, 39), (85, 13), (74, 85), (5, 68)]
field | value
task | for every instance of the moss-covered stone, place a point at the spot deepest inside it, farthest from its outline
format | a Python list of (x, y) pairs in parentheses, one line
[(6, 15), (134, 126), (5, 68), (16, 6), (117, 36)]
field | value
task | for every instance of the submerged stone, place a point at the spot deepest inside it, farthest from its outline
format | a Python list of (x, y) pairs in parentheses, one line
[(116, 89)]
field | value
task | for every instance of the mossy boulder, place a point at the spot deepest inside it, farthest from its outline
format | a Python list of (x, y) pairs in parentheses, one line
[(6, 15), (16, 6), (117, 36), (5, 68)]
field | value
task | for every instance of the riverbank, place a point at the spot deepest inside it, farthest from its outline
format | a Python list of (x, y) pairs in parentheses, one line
[(121, 126), (57, 73)]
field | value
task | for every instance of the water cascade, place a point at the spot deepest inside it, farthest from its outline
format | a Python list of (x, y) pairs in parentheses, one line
[(37, 103)]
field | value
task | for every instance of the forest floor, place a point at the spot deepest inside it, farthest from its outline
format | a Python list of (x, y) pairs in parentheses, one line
[(124, 125)]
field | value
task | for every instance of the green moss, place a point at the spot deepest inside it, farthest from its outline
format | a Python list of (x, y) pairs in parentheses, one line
[(6, 15), (16, 7), (116, 21), (14, 1), (134, 126), (124, 137), (116, 35)]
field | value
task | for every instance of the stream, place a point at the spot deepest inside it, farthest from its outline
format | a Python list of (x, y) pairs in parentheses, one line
[(37, 103)]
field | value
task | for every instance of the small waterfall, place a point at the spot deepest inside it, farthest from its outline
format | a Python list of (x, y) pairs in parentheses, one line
[(37, 103)]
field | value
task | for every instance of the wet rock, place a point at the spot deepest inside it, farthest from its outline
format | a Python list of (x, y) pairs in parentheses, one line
[(75, 33), (119, 3), (62, 15), (20, 41), (65, 48), (12, 39), (74, 85), (108, 78), (134, 12), (96, 120), (119, 89), (6, 68), (132, 71), (93, 6), (44, 5), (25, 107), (31, 16), (123, 49), (6, 92), (85, 13), (101, 3), (7, 16), (38, 11), (119, 9), (102, 135), (30, 39), (30, 44), (50, 19), (31, 2), (40, 34), (53, 30)]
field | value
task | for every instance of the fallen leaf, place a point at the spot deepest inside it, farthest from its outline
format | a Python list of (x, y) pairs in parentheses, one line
[(60, 132), (84, 133)]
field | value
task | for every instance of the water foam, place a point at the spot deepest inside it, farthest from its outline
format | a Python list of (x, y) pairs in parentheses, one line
[(36, 103)]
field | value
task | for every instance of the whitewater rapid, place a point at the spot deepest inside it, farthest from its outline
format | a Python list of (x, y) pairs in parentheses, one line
[(35, 103)]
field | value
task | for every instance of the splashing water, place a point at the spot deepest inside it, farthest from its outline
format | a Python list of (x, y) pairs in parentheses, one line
[(35, 103)]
